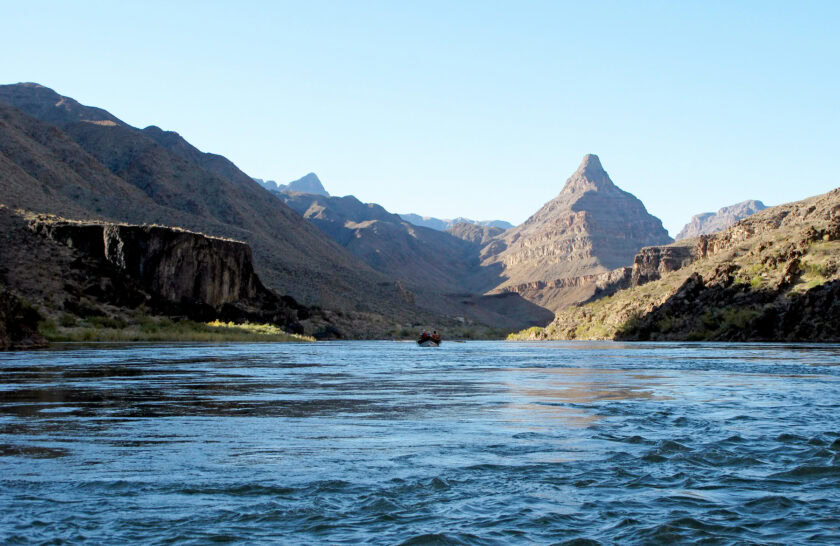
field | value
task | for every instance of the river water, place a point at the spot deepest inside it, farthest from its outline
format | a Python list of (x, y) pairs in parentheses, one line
[(390, 443)]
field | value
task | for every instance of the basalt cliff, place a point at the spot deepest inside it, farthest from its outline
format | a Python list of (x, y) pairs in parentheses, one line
[(85, 269)]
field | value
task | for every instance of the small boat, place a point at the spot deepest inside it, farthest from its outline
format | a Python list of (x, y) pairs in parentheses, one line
[(429, 340)]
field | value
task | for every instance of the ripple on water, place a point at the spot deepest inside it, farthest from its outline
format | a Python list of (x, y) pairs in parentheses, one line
[(476, 443)]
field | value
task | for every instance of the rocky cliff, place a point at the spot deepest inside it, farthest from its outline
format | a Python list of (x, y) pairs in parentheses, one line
[(651, 263), (97, 269), (773, 276), (172, 263), (711, 222)]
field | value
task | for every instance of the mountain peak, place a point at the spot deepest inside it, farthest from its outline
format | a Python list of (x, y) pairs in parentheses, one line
[(589, 176), (309, 183), (590, 165)]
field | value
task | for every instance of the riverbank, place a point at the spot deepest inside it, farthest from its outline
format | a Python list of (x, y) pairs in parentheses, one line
[(163, 329)]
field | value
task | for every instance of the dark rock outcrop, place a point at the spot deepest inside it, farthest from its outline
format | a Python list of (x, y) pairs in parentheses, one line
[(720, 309), (182, 273), (653, 262), (18, 324)]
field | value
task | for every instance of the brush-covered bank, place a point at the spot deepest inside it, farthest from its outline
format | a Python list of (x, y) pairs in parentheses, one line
[(774, 276)]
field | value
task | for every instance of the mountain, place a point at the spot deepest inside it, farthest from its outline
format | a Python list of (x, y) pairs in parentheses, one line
[(419, 257), (307, 184), (711, 222), (591, 227), (58, 156), (443, 225), (773, 276), (441, 270)]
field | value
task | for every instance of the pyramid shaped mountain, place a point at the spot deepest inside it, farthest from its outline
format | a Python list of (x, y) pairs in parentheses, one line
[(592, 226)]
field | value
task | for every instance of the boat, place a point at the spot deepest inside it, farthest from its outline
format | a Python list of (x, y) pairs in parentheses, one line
[(429, 340)]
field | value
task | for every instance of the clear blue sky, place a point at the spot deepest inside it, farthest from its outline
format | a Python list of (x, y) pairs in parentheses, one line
[(478, 109)]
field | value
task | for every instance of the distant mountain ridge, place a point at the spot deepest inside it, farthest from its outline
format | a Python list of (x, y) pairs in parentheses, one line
[(443, 225), (711, 222), (441, 268), (309, 183), (333, 252)]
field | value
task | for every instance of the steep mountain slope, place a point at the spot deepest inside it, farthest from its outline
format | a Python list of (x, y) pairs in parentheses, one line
[(773, 276), (85, 163), (712, 222), (422, 258)]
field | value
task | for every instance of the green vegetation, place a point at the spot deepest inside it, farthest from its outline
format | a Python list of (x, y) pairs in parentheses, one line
[(161, 329), (530, 333)]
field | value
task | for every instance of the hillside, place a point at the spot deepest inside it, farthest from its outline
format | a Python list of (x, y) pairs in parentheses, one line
[(773, 276), (82, 162)]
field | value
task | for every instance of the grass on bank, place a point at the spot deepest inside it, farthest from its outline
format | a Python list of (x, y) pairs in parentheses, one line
[(161, 329)]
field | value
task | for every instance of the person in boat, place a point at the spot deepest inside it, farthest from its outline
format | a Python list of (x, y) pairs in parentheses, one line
[(435, 336), (425, 336)]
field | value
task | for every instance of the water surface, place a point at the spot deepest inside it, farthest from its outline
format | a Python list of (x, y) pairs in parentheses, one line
[(380, 442)]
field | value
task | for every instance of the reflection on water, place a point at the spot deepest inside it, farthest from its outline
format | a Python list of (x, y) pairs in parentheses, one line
[(387, 442)]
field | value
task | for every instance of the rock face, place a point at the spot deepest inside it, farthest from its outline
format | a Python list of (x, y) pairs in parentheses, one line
[(711, 222), (175, 264), (591, 227), (173, 271), (652, 263)]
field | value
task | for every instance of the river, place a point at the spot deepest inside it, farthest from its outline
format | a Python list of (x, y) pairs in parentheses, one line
[(390, 443)]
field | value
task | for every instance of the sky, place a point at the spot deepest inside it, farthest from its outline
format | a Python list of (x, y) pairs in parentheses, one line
[(477, 109)]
